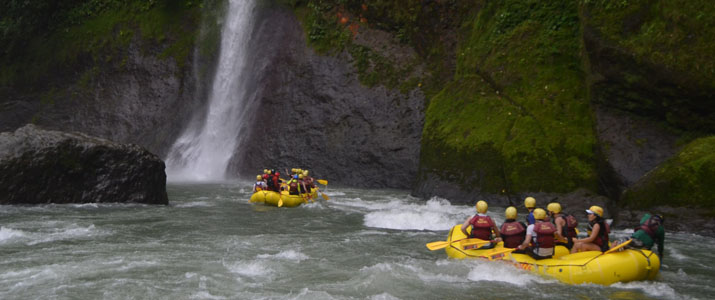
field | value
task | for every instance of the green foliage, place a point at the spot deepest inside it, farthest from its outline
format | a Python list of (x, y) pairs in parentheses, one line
[(677, 34), (684, 180), (45, 38), (520, 92)]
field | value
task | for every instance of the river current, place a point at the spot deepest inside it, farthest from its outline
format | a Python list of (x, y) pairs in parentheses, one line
[(210, 243)]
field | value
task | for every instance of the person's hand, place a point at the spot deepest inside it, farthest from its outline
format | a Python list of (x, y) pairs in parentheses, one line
[(521, 247)]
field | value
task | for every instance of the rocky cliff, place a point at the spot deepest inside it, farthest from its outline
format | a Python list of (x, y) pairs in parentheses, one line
[(566, 100), (314, 113)]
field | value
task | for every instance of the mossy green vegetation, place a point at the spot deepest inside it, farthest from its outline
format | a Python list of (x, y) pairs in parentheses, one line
[(520, 92), (89, 33), (686, 179), (677, 34)]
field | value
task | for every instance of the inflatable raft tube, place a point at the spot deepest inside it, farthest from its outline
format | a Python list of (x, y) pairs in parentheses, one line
[(578, 268)]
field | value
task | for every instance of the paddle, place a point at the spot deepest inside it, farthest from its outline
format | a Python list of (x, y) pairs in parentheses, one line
[(620, 246), (498, 254), (437, 245), (322, 181), (324, 195), (464, 242)]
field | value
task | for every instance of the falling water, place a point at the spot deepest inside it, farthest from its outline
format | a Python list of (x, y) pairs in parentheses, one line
[(202, 152)]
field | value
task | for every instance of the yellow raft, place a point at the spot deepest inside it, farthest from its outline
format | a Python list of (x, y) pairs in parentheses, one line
[(271, 198), (584, 267)]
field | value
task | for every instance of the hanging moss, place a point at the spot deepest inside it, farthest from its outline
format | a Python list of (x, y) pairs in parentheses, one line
[(520, 89)]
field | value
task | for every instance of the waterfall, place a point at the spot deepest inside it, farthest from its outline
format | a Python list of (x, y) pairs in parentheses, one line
[(204, 149)]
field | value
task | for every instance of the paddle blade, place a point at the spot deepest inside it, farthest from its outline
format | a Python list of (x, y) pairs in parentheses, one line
[(620, 246), (473, 243), (437, 245), (498, 253), (323, 181), (280, 202), (324, 196)]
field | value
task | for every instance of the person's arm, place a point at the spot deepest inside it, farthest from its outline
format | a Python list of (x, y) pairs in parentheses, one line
[(661, 242), (465, 225), (560, 224), (497, 234), (525, 243), (592, 237)]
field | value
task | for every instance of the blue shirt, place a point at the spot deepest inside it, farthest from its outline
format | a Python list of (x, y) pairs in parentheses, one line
[(530, 218)]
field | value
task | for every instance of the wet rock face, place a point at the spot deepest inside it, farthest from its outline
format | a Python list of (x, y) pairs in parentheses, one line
[(39, 166), (314, 114), (142, 100)]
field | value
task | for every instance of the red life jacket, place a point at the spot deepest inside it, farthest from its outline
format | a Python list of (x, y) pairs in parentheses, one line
[(293, 186), (650, 227), (512, 233), (571, 223), (602, 237), (544, 234), (481, 227), (276, 181)]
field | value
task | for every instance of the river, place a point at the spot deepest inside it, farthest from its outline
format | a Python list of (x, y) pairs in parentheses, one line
[(210, 243)]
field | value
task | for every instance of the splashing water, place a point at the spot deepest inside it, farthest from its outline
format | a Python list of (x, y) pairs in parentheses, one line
[(202, 153)]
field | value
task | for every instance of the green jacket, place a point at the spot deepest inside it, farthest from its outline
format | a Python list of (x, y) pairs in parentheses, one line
[(648, 242)]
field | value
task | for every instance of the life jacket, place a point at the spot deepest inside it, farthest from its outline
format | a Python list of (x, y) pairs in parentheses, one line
[(259, 186), (544, 234), (293, 186), (307, 185), (513, 233), (602, 237), (276, 178), (571, 223), (481, 227), (269, 182), (650, 226), (309, 181)]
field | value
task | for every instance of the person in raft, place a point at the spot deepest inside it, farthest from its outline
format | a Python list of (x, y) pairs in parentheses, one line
[(598, 230), (650, 232), (295, 186), (483, 227), (260, 185), (540, 235), (565, 225), (530, 204), (512, 231)]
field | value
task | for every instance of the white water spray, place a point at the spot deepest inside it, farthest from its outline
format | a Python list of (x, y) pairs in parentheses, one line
[(202, 153)]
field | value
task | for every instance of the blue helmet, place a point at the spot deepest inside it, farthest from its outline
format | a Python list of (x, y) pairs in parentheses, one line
[(295, 176)]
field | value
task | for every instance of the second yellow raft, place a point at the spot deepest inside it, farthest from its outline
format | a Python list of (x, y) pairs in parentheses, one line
[(272, 198)]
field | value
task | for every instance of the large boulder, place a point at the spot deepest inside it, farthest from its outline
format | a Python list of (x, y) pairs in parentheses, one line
[(40, 166)]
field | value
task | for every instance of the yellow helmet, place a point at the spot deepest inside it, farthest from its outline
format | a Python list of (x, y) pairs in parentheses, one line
[(300, 176), (305, 172), (597, 210), (265, 171), (293, 170), (299, 170), (268, 172), (530, 202), (258, 177), (482, 206), (554, 207), (539, 214), (510, 212)]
